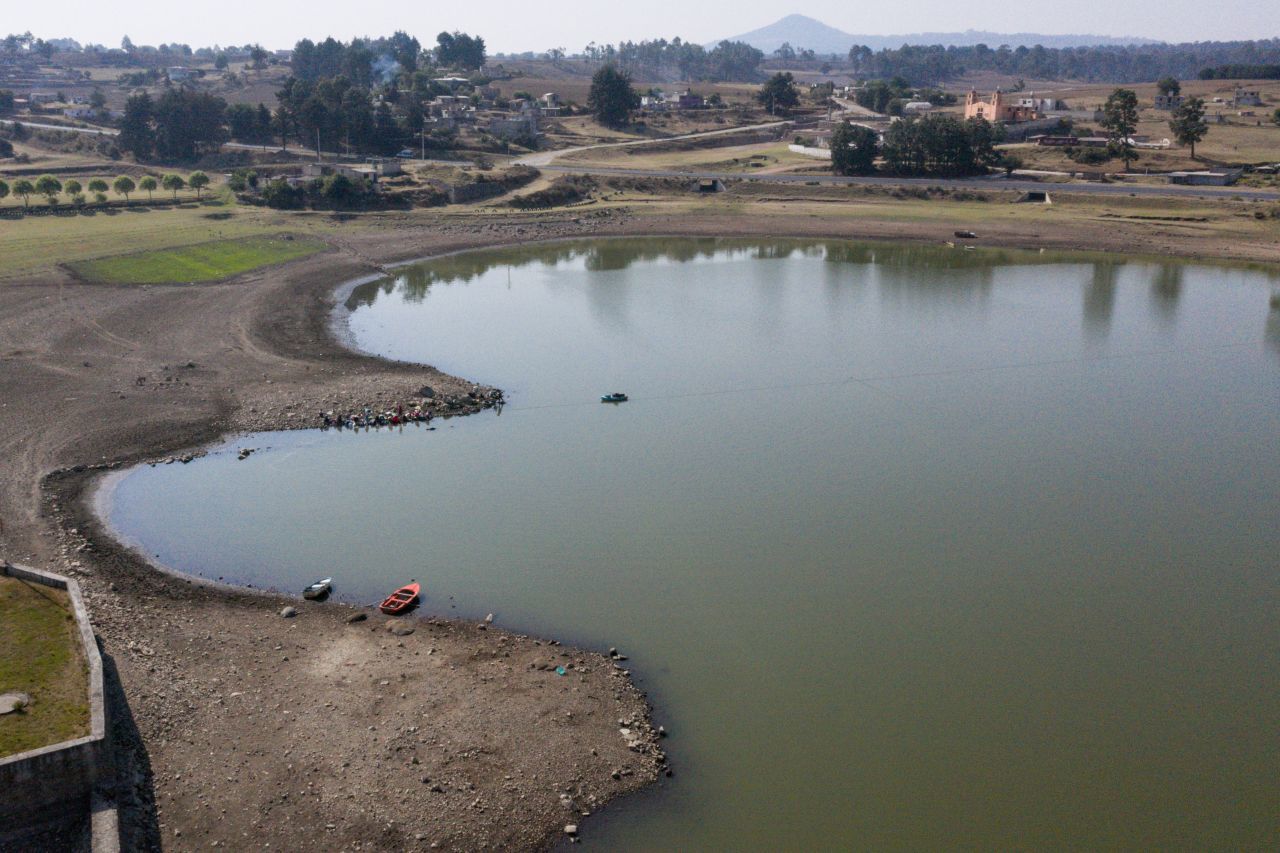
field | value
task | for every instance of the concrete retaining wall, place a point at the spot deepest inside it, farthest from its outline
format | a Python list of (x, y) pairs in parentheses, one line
[(42, 784), (810, 151), (461, 193)]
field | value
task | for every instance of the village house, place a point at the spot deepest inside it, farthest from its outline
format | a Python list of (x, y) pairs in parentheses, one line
[(689, 101), (179, 74), (1040, 105), (370, 171), (38, 99), (1168, 103), (1000, 109), (916, 107), (523, 126), (1223, 178), (452, 83), (1247, 98), (549, 105)]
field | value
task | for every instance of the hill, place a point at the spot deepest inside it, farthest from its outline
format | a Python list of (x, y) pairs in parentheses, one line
[(801, 31)]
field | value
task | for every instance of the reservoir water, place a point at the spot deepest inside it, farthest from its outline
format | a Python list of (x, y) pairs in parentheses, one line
[(911, 547)]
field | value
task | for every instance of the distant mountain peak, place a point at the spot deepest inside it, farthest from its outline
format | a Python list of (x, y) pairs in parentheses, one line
[(802, 31)]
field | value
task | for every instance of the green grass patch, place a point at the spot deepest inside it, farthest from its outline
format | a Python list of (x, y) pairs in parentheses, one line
[(40, 655), (201, 262)]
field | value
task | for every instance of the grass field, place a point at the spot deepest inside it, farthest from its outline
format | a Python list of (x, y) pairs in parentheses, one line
[(40, 656), (200, 262)]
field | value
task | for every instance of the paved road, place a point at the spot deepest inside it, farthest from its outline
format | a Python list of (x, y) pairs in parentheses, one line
[(244, 146), (987, 183), (545, 160)]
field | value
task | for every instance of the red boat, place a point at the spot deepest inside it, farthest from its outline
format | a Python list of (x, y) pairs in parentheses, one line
[(400, 600)]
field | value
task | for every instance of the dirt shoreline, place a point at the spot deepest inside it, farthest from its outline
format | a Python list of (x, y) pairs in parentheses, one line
[(454, 736)]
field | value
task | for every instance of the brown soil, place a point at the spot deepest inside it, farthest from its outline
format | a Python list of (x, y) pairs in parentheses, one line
[(247, 729)]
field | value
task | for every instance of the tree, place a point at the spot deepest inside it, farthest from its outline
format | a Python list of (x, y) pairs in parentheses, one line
[(1169, 86), (1188, 124), (173, 182), (242, 122), (49, 186), (198, 181), (147, 183), (853, 149), (97, 100), (97, 185), (136, 134), (460, 50), (779, 91), (259, 56), (786, 52), (611, 98), (24, 188), (221, 62), (1275, 116), (124, 185), (72, 187), (939, 144), (6, 100), (4, 189), (1120, 120), (187, 123)]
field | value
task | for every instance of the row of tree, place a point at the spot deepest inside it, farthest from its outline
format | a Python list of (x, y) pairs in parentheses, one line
[(51, 187), (366, 62), (366, 95), (661, 59), (179, 125), (1120, 120), (612, 98), (1121, 63), (1241, 72), (935, 144)]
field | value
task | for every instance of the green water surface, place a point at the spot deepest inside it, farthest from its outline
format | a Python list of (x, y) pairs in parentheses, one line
[(912, 548)]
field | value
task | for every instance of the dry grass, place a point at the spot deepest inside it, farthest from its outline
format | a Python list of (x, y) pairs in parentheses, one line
[(758, 157)]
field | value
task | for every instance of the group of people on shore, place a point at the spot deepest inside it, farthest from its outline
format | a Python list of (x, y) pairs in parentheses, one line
[(369, 418)]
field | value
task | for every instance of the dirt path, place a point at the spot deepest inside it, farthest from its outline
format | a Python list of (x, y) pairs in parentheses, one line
[(545, 158)]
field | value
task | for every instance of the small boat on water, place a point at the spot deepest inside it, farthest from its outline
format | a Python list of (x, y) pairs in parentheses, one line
[(400, 600), (319, 589), (615, 397)]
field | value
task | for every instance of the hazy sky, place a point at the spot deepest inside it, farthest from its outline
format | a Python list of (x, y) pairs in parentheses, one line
[(507, 25)]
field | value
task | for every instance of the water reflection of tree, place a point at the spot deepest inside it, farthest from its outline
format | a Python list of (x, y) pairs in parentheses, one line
[(1271, 334), (1166, 290), (1100, 299), (899, 265), (366, 294)]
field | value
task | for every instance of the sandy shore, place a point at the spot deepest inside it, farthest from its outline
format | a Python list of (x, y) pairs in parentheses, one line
[(246, 729)]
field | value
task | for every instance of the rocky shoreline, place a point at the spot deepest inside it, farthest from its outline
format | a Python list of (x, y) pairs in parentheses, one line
[(443, 734)]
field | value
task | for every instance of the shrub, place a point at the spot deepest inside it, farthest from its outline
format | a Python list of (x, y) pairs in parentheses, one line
[(280, 195)]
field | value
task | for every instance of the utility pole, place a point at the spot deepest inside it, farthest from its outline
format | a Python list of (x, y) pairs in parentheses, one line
[(318, 160), (424, 137)]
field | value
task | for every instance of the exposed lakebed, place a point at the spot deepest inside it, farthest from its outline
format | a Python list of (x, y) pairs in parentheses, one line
[(912, 547)]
